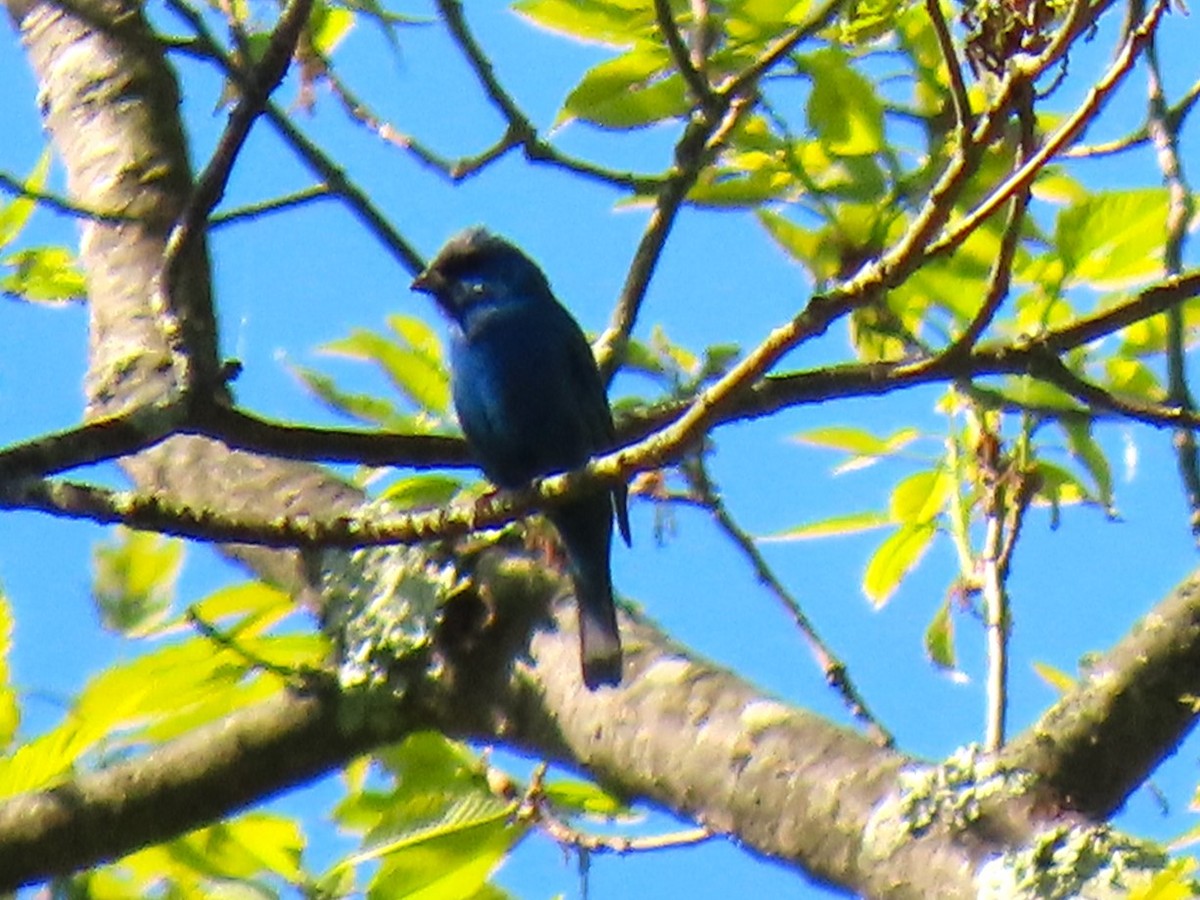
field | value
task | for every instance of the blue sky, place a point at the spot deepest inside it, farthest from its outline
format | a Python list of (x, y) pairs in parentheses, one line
[(286, 284)]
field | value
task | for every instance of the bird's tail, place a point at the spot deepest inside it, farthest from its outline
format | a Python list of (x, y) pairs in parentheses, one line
[(586, 531)]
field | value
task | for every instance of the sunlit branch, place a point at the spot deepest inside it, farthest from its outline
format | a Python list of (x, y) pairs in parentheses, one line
[(1174, 119), (1000, 278), (1024, 175), (700, 141), (996, 627)]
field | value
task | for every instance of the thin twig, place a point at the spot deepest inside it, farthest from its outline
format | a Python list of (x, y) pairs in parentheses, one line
[(702, 91), (1174, 119), (17, 187), (520, 129), (231, 643), (996, 625), (1023, 176), (837, 675), (535, 807), (958, 87), (256, 87), (695, 148), (267, 207), (1001, 275), (318, 162), (1179, 213)]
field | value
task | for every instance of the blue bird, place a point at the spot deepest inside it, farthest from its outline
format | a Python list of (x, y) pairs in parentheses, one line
[(531, 403)]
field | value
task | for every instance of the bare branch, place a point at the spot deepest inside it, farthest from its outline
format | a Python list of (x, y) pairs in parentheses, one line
[(210, 187), (837, 675)]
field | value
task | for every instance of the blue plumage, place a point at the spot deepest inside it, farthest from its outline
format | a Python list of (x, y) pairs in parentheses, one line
[(531, 402)]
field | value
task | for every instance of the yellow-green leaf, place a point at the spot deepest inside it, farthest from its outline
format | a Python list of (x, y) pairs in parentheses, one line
[(615, 22), (919, 498), (584, 797), (10, 711), (843, 108), (44, 275), (1055, 677), (630, 91), (15, 213), (894, 559), (857, 441), (134, 580), (328, 26), (939, 638), (851, 523), (1114, 238), (257, 604), (451, 865), (422, 490)]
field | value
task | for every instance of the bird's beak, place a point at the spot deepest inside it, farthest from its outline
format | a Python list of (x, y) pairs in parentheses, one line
[(421, 282), (430, 281)]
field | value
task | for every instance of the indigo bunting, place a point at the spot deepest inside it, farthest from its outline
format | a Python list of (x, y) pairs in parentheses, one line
[(531, 403)]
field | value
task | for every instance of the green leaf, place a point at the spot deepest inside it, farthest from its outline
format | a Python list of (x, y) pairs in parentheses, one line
[(15, 214), (614, 22), (412, 362), (734, 188), (1113, 239), (248, 847), (843, 108), (422, 490), (134, 580), (360, 407), (757, 21), (453, 864), (585, 797), (939, 638), (328, 26), (44, 275), (10, 710), (1086, 450), (857, 441), (864, 21), (1059, 487), (1133, 378), (635, 89), (440, 831), (894, 559), (1026, 391), (804, 245), (1055, 677), (852, 523), (920, 498), (258, 606)]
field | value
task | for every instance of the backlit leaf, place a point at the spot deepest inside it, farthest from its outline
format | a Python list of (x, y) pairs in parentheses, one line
[(843, 108), (894, 559), (852, 523)]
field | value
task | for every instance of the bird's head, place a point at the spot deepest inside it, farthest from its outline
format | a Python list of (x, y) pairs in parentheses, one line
[(477, 269)]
